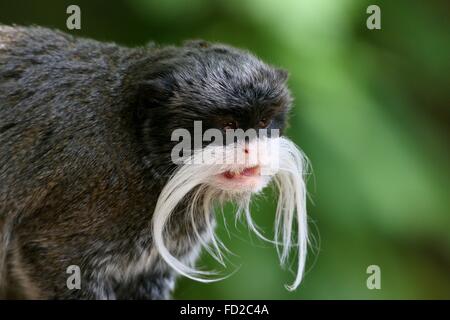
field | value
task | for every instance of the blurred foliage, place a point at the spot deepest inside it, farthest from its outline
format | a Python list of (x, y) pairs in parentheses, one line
[(371, 112)]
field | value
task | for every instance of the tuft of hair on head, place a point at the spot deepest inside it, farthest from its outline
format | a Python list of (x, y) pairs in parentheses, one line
[(193, 182)]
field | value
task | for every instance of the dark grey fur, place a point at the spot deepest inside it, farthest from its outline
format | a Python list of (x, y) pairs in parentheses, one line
[(85, 146)]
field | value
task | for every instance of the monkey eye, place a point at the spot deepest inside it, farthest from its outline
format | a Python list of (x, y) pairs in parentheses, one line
[(230, 125), (264, 122)]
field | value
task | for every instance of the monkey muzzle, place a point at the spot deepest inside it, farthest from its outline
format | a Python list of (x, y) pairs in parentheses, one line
[(234, 173)]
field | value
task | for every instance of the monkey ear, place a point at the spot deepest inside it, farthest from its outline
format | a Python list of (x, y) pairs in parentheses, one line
[(155, 92), (282, 74)]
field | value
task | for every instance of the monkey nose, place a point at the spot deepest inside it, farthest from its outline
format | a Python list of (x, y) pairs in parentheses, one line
[(246, 148)]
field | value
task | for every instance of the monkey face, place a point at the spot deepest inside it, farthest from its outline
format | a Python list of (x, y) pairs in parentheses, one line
[(222, 88), (198, 104)]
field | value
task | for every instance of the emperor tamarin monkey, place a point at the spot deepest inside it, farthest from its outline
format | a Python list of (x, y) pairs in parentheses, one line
[(87, 176)]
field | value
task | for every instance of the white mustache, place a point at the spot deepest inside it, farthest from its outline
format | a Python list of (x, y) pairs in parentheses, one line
[(287, 168)]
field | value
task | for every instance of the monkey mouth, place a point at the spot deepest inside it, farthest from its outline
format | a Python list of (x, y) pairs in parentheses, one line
[(243, 173), (241, 179)]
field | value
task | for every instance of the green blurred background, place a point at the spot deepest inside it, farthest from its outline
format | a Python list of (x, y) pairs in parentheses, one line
[(371, 112)]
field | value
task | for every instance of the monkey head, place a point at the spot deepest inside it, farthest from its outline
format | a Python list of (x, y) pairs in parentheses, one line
[(224, 90)]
